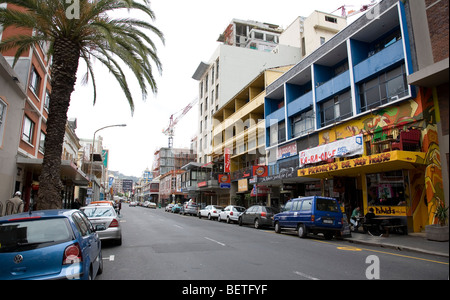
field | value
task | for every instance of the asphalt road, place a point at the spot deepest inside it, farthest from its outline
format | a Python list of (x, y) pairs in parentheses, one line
[(163, 246)]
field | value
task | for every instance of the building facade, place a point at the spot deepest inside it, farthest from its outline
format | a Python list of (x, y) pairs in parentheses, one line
[(357, 130)]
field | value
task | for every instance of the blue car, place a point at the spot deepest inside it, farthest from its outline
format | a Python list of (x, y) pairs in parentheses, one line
[(49, 244), (311, 215)]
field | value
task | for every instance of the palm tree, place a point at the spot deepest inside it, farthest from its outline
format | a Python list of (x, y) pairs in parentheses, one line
[(74, 30)]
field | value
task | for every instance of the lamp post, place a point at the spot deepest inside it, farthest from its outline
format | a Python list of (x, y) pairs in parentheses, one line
[(93, 145)]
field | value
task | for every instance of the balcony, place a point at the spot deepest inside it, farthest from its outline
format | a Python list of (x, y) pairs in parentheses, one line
[(300, 104), (333, 86), (387, 57), (277, 115)]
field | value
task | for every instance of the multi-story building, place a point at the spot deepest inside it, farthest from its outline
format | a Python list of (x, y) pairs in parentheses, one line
[(251, 34), (239, 131), (235, 63), (429, 22), (311, 32), (353, 127), (168, 159), (12, 103), (33, 72)]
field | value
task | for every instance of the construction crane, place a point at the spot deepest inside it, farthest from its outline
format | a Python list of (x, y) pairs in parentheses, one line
[(169, 131), (346, 14)]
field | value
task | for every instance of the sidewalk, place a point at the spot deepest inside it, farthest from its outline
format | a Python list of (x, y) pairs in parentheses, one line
[(413, 242)]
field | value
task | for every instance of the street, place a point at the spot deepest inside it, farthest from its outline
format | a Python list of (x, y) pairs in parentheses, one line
[(158, 245)]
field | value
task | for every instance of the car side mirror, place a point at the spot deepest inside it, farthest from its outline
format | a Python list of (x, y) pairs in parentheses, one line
[(100, 227)]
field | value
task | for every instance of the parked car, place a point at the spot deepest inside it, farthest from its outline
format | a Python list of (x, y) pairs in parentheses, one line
[(258, 215), (176, 208), (105, 216), (230, 213), (189, 208), (132, 203), (169, 207), (49, 244), (151, 205), (311, 215), (210, 211)]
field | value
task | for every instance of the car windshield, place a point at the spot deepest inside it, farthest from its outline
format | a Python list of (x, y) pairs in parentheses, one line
[(239, 208), (98, 212), (28, 235), (326, 205)]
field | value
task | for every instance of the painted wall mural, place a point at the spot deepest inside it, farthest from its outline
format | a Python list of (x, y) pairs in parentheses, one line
[(426, 184)]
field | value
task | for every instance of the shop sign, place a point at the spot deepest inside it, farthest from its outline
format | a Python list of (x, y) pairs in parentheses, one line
[(260, 171), (342, 148), (389, 210), (227, 160), (287, 150), (202, 184), (243, 185), (224, 178)]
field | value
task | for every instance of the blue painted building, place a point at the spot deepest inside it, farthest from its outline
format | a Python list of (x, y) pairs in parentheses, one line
[(362, 68)]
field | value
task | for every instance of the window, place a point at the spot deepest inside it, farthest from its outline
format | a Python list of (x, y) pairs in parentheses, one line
[(28, 130), (387, 87), (217, 67), (336, 109), (42, 142), (322, 40), (387, 188), (35, 81), (306, 205), (303, 123), (330, 19), (2, 119), (281, 132), (47, 100)]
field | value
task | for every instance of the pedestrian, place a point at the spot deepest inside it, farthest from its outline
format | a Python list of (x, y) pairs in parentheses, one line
[(354, 218), (76, 204), (11, 206)]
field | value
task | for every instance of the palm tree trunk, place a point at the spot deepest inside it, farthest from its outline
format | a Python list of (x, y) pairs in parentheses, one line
[(63, 77)]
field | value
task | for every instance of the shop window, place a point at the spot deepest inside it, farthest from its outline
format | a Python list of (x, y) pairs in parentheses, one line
[(387, 188)]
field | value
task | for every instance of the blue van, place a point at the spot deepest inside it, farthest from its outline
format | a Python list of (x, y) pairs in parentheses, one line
[(311, 215)]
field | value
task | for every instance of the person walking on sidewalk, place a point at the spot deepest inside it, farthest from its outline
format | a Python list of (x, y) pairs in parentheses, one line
[(11, 206)]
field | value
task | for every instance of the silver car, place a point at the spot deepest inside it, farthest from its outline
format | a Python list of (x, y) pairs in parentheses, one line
[(105, 215)]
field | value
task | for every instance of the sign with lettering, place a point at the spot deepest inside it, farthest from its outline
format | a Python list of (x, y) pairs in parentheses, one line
[(227, 160), (287, 150), (341, 148)]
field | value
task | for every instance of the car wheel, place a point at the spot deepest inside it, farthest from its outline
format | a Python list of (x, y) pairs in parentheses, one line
[(209, 216), (277, 227), (199, 215), (256, 224), (240, 221), (228, 220), (100, 263), (301, 231), (219, 219)]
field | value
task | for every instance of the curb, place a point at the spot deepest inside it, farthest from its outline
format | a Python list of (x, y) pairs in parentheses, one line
[(398, 247)]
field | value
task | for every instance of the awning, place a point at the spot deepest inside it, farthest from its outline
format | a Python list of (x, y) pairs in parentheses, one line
[(383, 162), (69, 171)]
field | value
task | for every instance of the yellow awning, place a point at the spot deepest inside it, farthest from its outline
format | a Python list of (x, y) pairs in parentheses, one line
[(383, 162)]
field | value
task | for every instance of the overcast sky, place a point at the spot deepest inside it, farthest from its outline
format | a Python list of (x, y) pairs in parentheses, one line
[(191, 29)]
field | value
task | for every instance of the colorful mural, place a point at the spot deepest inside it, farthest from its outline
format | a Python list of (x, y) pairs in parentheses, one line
[(426, 184)]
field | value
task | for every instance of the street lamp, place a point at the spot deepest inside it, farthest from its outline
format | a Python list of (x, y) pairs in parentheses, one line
[(93, 144)]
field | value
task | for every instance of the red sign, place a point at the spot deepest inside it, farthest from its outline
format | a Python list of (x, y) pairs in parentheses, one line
[(260, 171), (224, 178), (227, 161), (202, 184)]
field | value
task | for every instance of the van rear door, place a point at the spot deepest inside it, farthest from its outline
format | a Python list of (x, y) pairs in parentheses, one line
[(328, 213)]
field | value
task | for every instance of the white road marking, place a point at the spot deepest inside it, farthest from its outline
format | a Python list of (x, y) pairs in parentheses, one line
[(178, 226), (110, 258), (222, 244), (305, 275)]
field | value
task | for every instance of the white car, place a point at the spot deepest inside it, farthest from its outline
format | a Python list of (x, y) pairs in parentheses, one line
[(151, 205), (231, 213), (132, 203), (210, 211)]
